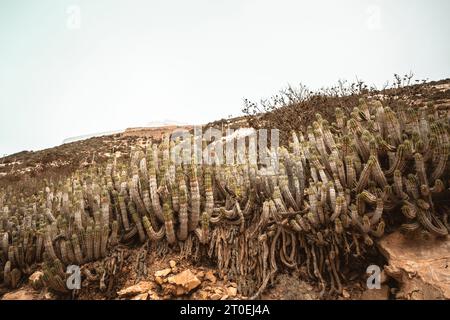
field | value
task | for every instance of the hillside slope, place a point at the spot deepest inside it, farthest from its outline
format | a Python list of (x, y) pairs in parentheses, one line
[(28, 173)]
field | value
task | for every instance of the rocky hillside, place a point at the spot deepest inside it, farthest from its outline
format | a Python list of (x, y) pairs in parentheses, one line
[(328, 262)]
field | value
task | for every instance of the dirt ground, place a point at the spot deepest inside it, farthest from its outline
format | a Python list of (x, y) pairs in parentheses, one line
[(213, 285)]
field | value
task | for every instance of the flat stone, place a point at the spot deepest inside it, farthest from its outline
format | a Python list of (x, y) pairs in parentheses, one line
[(141, 287), (163, 273), (420, 266), (185, 279)]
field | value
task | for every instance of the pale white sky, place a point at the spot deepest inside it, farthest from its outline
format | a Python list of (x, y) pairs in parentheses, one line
[(69, 68)]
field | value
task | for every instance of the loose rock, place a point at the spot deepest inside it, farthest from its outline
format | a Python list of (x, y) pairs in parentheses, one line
[(140, 288), (163, 273), (186, 279), (36, 280), (159, 280), (232, 292)]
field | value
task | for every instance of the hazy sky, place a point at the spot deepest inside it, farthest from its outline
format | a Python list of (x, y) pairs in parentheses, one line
[(69, 68)]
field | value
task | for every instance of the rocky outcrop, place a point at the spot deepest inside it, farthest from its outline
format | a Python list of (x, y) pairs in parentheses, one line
[(422, 267), (153, 132)]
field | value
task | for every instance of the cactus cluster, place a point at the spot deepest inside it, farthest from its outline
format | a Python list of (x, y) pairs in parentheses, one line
[(335, 189)]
